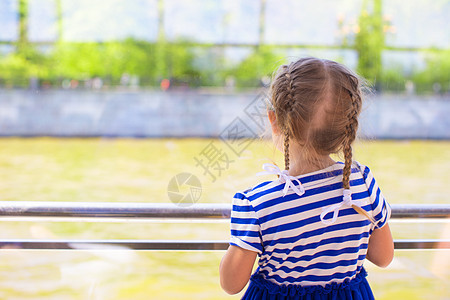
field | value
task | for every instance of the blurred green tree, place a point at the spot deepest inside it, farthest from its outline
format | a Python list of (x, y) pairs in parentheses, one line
[(436, 75), (370, 41), (150, 61), (261, 63), (188, 63), (23, 25)]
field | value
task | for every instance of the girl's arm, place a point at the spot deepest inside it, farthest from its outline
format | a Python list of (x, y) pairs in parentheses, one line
[(381, 247), (235, 269)]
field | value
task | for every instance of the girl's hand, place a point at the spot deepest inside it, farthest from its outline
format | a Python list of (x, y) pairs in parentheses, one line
[(236, 268)]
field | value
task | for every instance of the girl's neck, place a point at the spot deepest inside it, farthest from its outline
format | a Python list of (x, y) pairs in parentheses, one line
[(300, 165)]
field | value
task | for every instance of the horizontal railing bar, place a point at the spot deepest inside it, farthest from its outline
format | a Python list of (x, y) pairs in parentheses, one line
[(421, 244), (112, 210), (170, 244), (401, 211), (113, 244), (170, 210)]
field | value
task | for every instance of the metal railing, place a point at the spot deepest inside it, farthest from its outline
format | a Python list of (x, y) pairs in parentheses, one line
[(22, 210)]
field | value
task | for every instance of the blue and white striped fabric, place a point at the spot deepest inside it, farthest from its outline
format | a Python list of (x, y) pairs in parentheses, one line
[(294, 246)]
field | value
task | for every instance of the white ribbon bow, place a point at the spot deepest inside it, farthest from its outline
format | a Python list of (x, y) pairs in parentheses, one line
[(284, 178), (346, 202)]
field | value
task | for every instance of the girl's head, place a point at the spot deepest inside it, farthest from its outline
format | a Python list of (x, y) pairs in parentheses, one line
[(316, 104)]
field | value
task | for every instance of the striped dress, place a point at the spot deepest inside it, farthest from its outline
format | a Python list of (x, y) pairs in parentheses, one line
[(302, 256)]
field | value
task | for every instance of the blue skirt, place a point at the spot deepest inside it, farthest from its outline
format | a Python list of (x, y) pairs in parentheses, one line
[(356, 289)]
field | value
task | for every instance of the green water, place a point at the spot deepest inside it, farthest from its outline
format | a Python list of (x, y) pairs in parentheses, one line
[(125, 170)]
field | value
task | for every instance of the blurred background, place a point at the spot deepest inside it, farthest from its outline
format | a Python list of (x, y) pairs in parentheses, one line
[(106, 101)]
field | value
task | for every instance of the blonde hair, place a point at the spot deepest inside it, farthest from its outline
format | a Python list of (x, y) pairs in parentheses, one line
[(317, 103)]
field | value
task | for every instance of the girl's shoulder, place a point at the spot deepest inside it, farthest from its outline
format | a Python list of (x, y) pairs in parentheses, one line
[(364, 169), (359, 165), (258, 189)]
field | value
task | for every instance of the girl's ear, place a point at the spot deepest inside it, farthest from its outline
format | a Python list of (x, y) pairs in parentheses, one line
[(275, 130), (273, 122)]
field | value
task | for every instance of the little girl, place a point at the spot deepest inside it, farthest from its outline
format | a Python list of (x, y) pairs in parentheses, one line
[(314, 226)]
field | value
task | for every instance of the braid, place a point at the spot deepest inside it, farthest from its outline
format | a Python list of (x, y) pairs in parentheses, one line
[(289, 107), (347, 166), (286, 150), (290, 90), (350, 133)]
